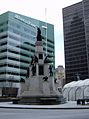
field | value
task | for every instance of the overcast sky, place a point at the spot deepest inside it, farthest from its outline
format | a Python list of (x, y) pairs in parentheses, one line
[(36, 9)]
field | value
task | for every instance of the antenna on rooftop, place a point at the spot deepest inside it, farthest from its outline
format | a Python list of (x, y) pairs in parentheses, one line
[(45, 28)]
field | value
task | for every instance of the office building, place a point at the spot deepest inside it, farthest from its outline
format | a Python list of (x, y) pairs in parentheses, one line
[(76, 41), (60, 75), (17, 45)]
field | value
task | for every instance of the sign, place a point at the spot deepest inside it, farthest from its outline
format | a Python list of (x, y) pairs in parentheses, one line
[(23, 20)]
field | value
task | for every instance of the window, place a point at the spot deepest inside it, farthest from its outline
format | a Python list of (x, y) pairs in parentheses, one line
[(5, 36)]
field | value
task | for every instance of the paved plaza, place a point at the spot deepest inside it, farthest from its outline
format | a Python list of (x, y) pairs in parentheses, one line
[(67, 105), (8, 113)]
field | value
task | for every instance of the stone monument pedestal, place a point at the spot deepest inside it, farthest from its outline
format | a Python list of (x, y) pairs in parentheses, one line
[(41, 92), (40, 80)]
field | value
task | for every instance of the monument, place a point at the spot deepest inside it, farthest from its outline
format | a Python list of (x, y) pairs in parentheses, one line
[(40, 79)]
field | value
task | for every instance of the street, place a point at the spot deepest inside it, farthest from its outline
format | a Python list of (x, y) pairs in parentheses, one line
[(43, 114)]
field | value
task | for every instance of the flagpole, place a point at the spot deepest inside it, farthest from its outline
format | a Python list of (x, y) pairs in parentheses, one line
[(46, 28)]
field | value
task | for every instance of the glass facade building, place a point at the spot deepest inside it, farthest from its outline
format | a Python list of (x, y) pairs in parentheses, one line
[(17, 45), (76, 41)]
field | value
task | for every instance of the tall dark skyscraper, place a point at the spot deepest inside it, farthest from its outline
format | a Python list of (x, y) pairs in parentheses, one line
[(76, 40)]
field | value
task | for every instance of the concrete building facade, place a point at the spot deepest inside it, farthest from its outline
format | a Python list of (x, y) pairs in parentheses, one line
[(76, 41), (60, 75), (17, 46)]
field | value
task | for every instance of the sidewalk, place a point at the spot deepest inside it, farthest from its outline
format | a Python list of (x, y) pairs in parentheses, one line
[(68, 105)]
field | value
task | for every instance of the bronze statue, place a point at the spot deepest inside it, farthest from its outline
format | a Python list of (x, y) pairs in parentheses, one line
[(46, 60), (27, 75), (45, 78), (39, 37), (34, 60), (50, 70), (33, 69)]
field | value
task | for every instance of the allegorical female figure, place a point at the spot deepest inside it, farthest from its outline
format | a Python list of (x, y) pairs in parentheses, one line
[(39, 37)]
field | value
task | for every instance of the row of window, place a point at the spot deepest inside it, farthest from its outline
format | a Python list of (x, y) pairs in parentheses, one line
[(20, 60), (3, 23), (76, 47), (74, 23), (22, 46), (16, 52), (14, 44), (76, 63), (4, 36), (72, 14), (21, 27), (77, 35), (20, 53), (72, 76), (25, 48), (16, 38), (3, 29), (75, 43), (13, 73), (15, 59), (76, 40), (80, 69), (76, 66), (13, 37), (22, 34), (3, 43), (76, 51), (68, 29), (75, 57), (13, 65)]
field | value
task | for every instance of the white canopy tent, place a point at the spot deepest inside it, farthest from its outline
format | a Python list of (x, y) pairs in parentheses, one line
[(76, 90)]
